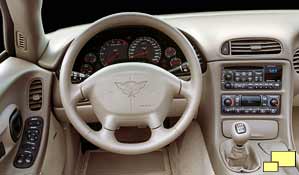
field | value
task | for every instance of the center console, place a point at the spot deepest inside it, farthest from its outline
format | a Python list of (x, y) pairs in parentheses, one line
[(250, 78), (255, 92)]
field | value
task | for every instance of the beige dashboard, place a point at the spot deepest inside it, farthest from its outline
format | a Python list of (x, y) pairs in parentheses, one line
[(210, 30)]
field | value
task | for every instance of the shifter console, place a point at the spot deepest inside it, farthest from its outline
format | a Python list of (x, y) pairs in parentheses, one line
[(237, 154)]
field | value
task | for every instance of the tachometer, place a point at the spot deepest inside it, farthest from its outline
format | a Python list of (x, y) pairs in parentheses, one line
[(146, 48), (112, 51)]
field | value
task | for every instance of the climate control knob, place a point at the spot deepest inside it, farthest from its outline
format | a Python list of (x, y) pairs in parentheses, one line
[(274, 102), (228, 102)]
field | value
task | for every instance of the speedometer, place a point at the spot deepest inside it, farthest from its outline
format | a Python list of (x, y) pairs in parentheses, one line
[(146, 48), (113, 51)]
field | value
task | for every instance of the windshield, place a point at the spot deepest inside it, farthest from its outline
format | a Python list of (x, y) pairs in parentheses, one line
[(58, 14)]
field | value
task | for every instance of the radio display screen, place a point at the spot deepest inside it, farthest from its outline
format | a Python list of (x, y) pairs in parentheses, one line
[(252, 100), (273, 73)]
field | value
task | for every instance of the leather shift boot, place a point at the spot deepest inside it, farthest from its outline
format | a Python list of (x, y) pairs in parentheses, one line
[(238, 157)]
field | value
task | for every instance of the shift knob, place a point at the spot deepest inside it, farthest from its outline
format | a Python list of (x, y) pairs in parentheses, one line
[(240, 133)]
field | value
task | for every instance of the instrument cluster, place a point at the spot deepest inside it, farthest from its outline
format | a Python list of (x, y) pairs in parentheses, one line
[(131, 44)]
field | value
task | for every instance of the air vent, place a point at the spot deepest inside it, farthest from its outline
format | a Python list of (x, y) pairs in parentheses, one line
[(252, 47), (21, 41), (35, 95), (296, 61)]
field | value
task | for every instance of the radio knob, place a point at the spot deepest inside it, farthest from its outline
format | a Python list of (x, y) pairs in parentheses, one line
[(228, 102), (274, 102), (228, 76)]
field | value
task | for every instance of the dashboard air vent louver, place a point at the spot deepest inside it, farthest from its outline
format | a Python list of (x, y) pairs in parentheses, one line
[(296, 61), (254, 47), (35, 95)]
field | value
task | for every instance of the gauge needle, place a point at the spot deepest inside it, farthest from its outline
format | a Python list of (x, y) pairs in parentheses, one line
[(111, 57), (138, 54)]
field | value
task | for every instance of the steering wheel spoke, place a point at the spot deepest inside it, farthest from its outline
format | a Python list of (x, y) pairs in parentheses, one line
[(186, 89), (75, 93)]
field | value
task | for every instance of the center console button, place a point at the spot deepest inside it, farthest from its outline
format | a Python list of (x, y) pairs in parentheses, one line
[(274, 111), (237, 110), (237, 79), (227, 86)]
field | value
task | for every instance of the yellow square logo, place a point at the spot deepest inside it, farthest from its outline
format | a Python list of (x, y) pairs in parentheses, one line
[(284, 158), (270, 166)]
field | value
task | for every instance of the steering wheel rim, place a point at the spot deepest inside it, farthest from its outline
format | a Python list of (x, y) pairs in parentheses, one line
[(152, 76)]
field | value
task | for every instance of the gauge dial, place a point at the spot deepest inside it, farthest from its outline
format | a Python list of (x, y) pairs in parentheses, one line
[(112, 51), (86, 69), (145, 48), (90, 58), (170, 52), (175, 62)]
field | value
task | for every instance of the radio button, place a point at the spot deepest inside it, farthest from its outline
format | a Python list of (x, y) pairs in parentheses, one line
[(237, 79), (227, 85), (250, 86), (246, 111), (237, 74), (258, 73), (243, 79), (262, 111), (276, 85), (237, 110), (254, 111), (273, 111)]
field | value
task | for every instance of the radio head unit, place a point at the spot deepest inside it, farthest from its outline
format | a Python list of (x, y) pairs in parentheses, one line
[(252, 77)]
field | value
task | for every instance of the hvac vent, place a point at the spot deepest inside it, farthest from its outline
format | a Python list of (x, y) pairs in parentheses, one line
[(35, 95), (21, 41), (296, 61), (251, 47)]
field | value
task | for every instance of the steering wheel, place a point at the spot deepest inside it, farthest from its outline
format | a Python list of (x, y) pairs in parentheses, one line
[(130, 94)]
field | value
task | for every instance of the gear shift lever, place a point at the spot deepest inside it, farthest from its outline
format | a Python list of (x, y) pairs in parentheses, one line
[(240, 133), (239, 152), (238, 155)]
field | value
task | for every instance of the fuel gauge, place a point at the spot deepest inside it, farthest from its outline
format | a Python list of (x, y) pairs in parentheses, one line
[(170, 52)]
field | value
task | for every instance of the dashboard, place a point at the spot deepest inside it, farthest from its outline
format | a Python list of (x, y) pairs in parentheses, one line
[(250, 64), (132, 44)]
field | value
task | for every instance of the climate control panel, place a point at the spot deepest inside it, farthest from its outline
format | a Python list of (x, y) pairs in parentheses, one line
[(250, 104), (268, 77)]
